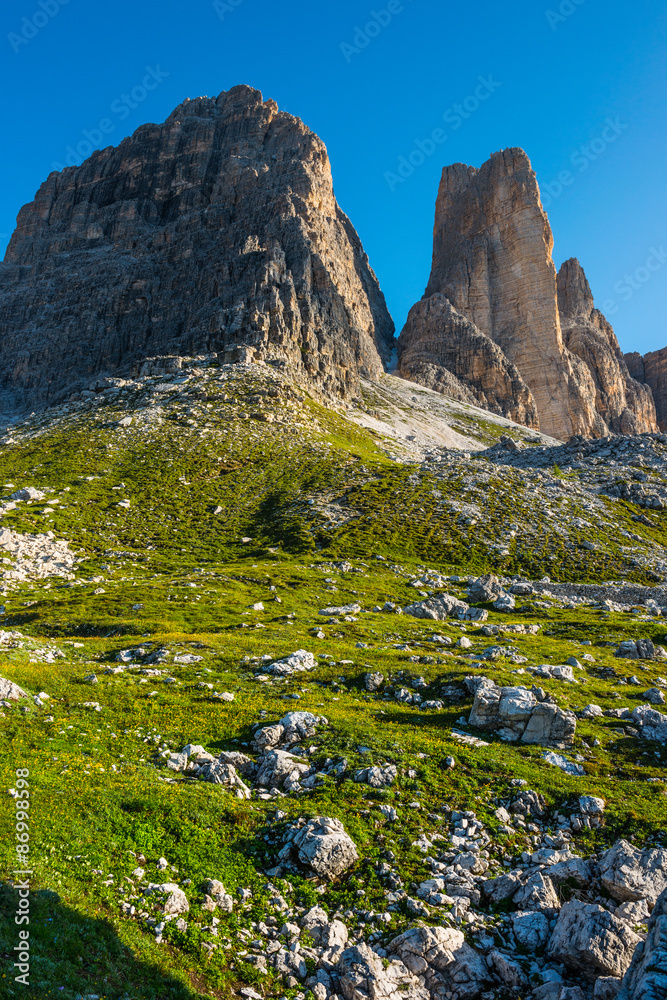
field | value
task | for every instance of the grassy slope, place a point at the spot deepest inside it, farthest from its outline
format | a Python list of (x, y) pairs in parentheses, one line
[(96, 778)]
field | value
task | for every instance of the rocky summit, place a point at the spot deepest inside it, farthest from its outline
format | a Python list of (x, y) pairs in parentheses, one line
[(318, 682), (651, 369), (497, 322), (217, 230)]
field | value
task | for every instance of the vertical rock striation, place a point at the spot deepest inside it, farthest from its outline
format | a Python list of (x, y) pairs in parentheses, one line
[(624, 403), (443, 350), (652, 370), (492, 262), (216, 230)]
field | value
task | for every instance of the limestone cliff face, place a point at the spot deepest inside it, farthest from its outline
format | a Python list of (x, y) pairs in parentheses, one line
[(492, 261), (625, 404), (216, 230), (652, 370)]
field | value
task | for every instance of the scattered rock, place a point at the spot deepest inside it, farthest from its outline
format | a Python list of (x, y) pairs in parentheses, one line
[(646, 979)]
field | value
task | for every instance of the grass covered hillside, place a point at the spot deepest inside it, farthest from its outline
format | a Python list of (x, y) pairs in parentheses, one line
[(171, 540)]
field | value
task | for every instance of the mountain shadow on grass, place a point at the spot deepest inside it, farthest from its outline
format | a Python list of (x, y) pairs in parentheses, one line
[(73, 955)]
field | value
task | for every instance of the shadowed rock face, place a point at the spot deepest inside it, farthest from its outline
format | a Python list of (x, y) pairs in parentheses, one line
[(626, 405), (492, 262), (216, 230), (652, 369), (452, 356)]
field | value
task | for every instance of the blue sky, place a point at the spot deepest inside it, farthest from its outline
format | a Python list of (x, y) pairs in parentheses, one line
[(580, 84)]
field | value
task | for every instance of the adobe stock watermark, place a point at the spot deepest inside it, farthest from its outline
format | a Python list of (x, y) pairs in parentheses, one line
[(630, 284), (21, 950), (454, 117), (224, 7), (582, 158), (31, 26), (565, 10), (378, 21), (120, 109)]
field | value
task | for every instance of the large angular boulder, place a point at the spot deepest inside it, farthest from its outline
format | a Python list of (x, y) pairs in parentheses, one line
[(277, 767), (550, 726), (324, 846), (636, 649), (652, 723), (443, 958), (364, 976), (9, 691), (515, 714), (646, 979), (329, 935), (629, 874), (537, 893), (295, 663), (437, 608), (173, 899), (591, 941), (531, 929), (292, 728), (485, 589), (218, 773)]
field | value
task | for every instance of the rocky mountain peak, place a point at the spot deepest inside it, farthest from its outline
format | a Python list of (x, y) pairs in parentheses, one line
[(215, 230), (492, 261), (574, 293)]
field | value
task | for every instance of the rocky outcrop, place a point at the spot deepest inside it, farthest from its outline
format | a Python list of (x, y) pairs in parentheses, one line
[(443, 958), (515, 714), (652, 370), (490, 315), (629, 874), (325, 847), (626, 405), (454, 357), (646, 979), (216, 230), (9, 691), (591, 941)]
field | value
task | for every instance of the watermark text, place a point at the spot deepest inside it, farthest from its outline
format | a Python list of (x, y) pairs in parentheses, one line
[(21, 795), (630, 284), (31, 26), (565, 10), (454, 117), (120, 109)]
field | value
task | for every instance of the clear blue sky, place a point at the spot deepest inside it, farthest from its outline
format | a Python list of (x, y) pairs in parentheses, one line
[(556, 79)]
